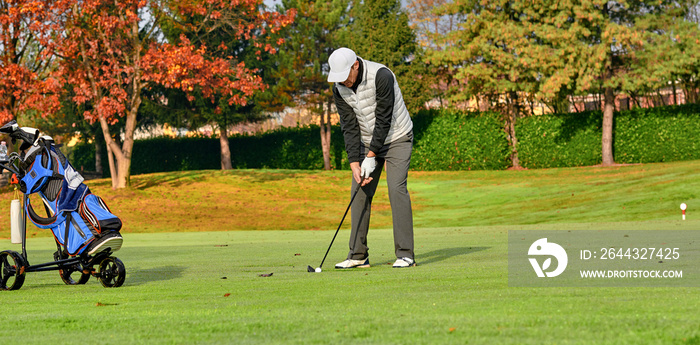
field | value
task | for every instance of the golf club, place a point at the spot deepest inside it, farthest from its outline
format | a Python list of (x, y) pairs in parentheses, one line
[(318, 270)]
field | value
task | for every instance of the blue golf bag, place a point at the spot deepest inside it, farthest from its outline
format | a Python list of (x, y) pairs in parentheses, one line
[(80, 221)]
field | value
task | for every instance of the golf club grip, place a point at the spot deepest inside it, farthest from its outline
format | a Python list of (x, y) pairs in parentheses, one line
[(354, 194)]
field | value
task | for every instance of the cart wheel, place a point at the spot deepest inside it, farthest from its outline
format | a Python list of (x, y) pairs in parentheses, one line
[(11, 270), (112, 272), (69, 273)]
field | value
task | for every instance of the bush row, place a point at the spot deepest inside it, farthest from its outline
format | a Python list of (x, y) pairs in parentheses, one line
[(444, 140), (284, 148), (658, 134), (564, 140), (452, 140), (651, 135)]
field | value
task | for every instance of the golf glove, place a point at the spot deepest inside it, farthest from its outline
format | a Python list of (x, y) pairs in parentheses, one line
[(368, 165)]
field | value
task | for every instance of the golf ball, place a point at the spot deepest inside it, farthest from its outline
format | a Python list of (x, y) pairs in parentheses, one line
[(683, 206), (318, 270)]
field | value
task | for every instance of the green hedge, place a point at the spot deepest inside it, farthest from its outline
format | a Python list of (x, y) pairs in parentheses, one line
[(661, 134), (444, 140), (565, 140), (453, 140), (284, 148), (651, 135), (287, 148)]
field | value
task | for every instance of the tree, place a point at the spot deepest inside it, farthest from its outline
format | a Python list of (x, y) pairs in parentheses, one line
[(600, 45), (302, 69), (26, 27), (551, 48), (221, 35), (429, 23), (487, 54), (689, 73), (111, 52), (671, 54), (380, 32)]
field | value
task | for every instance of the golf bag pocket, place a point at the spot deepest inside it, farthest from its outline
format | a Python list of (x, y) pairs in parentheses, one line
[(97, 216), (73, 234)]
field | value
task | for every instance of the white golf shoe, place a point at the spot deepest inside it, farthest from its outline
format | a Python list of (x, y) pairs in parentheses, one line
[(349, 263), (404, 262)]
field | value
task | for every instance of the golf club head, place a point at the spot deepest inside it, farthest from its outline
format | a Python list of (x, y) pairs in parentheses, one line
[(310, 269)]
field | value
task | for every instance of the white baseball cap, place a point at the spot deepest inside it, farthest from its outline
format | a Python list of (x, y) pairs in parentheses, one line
[(341, 62)]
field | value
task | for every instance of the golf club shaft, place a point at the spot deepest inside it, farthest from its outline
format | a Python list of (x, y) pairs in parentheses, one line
[(341, 223)]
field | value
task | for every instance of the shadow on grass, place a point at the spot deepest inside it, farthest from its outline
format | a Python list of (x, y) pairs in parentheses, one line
[(138, 276), (172, 179), (263, 176), (176, 179), (446, 253)]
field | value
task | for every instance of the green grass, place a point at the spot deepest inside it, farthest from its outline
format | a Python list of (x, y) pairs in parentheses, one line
[(314, 200), (175, 293), (177, 254)]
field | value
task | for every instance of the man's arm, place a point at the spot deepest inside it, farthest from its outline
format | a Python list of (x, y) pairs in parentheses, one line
[(350, 127), (384, 112)]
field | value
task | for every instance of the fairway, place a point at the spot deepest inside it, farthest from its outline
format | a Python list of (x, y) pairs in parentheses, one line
[(213, 200), (205, 288), (190, 279)]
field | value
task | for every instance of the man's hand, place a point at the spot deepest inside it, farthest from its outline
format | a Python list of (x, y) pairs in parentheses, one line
[(368, 165), (357, 174)]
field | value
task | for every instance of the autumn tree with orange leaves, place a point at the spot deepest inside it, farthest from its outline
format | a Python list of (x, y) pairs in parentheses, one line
[(113, 51), (26, 28), (259, 53)]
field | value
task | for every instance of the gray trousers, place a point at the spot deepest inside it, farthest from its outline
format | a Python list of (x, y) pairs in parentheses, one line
[(397, 157)]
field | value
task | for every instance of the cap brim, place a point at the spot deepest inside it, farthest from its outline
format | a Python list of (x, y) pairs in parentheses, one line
[(338, 77)]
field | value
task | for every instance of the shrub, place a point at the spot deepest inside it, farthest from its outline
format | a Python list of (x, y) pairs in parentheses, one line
[(660, 134), (453, 140), (640, 135), (561, 140), (443, 140)]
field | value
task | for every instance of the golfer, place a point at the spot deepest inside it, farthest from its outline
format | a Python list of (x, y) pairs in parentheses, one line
[(377, 129)]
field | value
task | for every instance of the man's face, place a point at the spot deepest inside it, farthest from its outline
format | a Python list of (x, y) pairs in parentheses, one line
[(352, 77)]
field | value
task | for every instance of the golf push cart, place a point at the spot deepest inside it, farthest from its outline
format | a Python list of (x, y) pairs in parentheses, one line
[(86, 232)]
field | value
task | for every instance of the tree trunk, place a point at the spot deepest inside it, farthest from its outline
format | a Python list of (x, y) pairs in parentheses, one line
[(119, 164), (120, 158), (607, 142), (326, 135), (112, 166), (573, 101), (225, 149), (689, 94), (661, 98), (512, 117), (675, 92), (128, 145), (98, 156)]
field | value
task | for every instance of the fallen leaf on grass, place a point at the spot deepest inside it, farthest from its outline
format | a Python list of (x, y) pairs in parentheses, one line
[(100, 304), (227, 294), (265, 275)]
